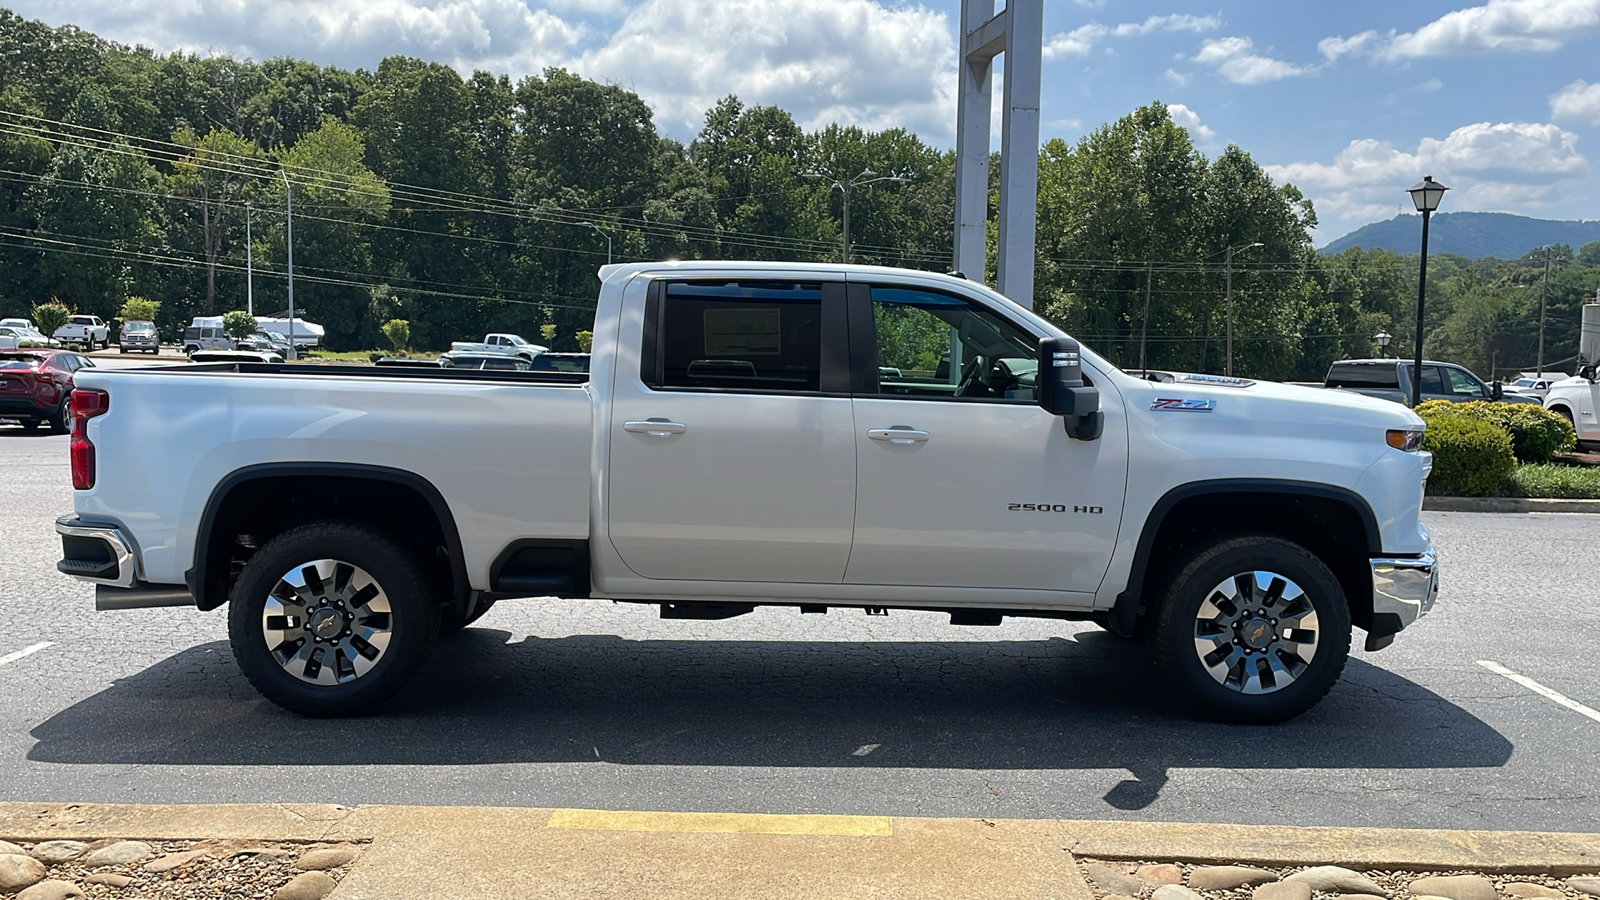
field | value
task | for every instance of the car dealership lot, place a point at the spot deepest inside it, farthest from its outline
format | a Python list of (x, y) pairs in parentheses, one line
[(591, 704)]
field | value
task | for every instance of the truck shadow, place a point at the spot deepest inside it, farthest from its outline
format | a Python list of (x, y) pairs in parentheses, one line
[(1089, 702)]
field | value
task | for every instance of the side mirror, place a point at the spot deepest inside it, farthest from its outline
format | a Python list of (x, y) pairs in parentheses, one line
[(1496, 392), (1062, 391), (1587, 373)]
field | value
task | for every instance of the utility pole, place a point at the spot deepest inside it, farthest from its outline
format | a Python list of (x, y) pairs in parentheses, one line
[(288, 200), (846, 186), (1227, 368), (1144, 321), (249, 266), (1544, 291)]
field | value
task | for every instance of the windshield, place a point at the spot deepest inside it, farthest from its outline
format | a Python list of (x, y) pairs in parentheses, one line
[(139, 327)]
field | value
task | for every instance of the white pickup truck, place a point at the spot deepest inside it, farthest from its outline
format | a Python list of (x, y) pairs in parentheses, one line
[(1577, 399), (501, 344), (759, 434), (87, 330)]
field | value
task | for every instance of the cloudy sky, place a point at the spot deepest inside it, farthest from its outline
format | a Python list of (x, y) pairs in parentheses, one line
[(1351, 100)]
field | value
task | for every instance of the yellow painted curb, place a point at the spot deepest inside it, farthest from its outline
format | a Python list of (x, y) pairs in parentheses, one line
[(718, 823)]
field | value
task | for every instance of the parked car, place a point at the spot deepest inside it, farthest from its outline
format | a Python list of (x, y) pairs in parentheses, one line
[(10, 337), (1534, 385), (1577, 400), (29, 336), (205, 337), (139, 335), (349, 514), (500, 345), (269, 341), (35, 386), (18, 323), (306, 334), (89, 331), (492, 361), (1390, 379)]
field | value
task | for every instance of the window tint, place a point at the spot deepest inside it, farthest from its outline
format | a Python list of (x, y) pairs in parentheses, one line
[(1463, 384), (1364, 375), (1432, 382), (740, 335), (937, 346)]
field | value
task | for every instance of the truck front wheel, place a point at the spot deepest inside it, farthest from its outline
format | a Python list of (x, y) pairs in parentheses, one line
[(1252, 629), (331, 619)]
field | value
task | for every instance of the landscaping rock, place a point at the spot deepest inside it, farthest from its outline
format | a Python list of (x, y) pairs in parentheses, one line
[(1282, 890), (1175, 892), (111, 878), (1455, 887), (9, 849), (174, 860), (333, 857), (1527, 891), (18, 872), (1338, 880), (1585, 884), (120, 853), (1108, 879), (52, 890), (1226, 878), (1159, 875), (52, 852), (1358, 897), (307, 886)]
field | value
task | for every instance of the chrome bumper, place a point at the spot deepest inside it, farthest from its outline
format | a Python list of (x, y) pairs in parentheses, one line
[(101, 555), (1403, 590)]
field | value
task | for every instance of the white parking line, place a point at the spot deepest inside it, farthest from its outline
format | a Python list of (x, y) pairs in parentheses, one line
[(1540, 689), (25, 651)]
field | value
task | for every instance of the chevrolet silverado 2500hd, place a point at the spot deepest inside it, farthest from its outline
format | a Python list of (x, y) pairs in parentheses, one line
[(759, 434)]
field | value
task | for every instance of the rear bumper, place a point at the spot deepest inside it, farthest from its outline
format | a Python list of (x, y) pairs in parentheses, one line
[(96, 553), (1404, 589), (23, 407)]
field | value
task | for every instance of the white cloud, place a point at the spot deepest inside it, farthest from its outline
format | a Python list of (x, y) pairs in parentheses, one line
[(499, 35), (1508, 166), (850, 61), (1081, 41), (1496, 26), (1236, 59), (1577, 102), (1178, 79), (1182, 115)]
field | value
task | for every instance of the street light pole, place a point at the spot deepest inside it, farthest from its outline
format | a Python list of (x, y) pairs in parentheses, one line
[(1383, 338), (1227, 368), (605, 234), (1544, 291), (249, 266), (1426, 194), (846, 186), (288, 217)]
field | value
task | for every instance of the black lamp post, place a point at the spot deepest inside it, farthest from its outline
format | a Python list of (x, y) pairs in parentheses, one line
[(1426, 194), (1383, 338)]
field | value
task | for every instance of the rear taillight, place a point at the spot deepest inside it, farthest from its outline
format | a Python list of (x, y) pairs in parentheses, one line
[(85, 405)]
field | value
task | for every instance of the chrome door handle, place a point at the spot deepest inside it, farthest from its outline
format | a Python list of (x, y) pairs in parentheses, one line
[(899, 435), (655, 427)]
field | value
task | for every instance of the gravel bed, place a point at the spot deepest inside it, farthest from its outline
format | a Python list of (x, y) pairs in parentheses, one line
[(1395, 882), (185, 870)]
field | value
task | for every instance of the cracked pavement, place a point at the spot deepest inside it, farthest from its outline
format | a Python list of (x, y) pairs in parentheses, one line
[(597, 705)]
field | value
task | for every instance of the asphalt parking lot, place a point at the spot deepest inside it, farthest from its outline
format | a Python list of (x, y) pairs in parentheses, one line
[(590, 704)]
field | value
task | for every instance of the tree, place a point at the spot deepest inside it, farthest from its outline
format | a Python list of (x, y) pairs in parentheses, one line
[(239, 324), (139, 309), (585, 340), (547, 333), (398, 332), (49, 317), (214, 175)]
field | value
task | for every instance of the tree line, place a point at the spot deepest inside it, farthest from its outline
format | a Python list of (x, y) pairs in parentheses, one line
[(470, 204)]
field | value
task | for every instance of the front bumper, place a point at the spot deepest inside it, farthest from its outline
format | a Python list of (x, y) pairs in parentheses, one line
[(1403, 590)]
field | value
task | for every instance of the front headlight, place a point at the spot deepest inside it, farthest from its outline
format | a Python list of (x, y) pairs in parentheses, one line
[(1407, 439)]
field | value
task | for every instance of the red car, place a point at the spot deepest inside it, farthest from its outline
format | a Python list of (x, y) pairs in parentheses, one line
[(36, 384)]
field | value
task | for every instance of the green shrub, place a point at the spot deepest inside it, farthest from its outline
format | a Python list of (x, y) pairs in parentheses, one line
[(398, 333), (239, 324), (1537, 434), (1470, 457)]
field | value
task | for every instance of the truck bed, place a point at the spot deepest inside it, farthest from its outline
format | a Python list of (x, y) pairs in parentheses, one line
[(441, 373)]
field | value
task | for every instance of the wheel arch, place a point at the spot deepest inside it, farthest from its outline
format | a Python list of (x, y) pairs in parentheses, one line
[(393, 496), (1334, 522)]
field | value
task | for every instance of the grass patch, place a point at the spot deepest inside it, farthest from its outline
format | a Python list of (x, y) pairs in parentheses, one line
[(1552, 482)]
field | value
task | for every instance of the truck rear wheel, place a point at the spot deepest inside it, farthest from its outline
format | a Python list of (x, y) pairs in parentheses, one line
[(331, 619), (1253, 629)]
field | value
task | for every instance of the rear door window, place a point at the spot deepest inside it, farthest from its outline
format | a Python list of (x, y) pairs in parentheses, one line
[(738, 336), (1363, 375), (1432, 381)]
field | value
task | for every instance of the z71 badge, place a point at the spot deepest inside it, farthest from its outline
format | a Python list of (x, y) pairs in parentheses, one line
[(1173, 404)]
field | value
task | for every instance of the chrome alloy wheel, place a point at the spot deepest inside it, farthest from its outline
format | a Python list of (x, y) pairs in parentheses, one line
[(327, 622), (1256, 632)]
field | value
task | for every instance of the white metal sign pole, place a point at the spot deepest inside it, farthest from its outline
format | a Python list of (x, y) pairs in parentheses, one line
[(974, 97)]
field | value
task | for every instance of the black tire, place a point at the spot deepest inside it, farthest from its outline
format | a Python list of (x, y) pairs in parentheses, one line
[(61, 419), (451, 621), (1180, 624), (411, 625)]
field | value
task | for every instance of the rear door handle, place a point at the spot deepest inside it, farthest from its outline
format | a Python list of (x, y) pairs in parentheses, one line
[(899, 435), (655, 427)]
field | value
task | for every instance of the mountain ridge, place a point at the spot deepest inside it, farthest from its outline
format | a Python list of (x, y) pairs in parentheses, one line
[(1471, 234)]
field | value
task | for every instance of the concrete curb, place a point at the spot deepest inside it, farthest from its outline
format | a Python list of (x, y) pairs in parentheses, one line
[(466, 851), (1508, 505)]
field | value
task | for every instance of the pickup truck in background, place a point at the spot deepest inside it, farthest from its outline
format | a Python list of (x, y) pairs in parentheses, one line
[(1577, 399), (501, 344), (812, 436), (89, 331), (1390, 379)]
